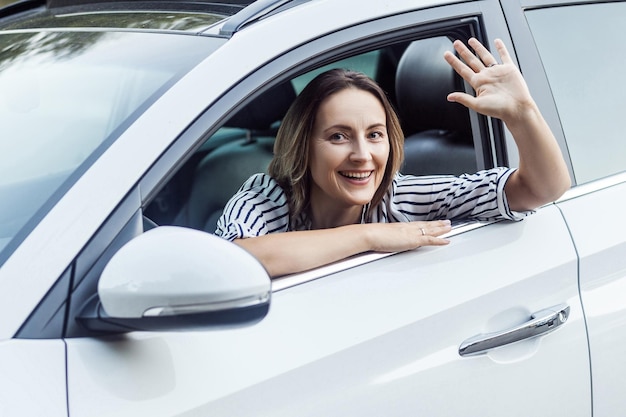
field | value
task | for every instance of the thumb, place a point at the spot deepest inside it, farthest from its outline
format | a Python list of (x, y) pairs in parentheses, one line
[(462, 98)]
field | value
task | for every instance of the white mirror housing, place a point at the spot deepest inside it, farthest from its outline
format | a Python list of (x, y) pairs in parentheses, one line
[(179, 277)]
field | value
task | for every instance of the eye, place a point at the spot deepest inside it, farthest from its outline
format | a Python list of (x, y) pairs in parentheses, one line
[(377, 135), (338, 137)]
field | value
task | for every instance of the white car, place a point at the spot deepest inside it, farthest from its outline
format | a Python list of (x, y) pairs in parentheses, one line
[(126, 126)]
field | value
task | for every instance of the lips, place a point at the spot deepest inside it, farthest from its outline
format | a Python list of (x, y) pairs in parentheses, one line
[(356, 175)]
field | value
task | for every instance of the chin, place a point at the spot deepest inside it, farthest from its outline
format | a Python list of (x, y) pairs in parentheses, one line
[(360, 201)]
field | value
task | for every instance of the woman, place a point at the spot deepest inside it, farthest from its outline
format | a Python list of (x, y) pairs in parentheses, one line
[(334, 183)]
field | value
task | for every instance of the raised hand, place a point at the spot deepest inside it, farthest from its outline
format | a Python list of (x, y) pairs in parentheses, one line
[(501, 91)]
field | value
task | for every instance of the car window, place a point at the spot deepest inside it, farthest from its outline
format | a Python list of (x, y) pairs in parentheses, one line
[(365, 63), (585, 72), (174, 21), (438, 134), (66, 97)]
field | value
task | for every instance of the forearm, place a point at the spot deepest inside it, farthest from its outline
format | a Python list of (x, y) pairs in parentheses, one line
[(542, 176), (291, 252), (501, 92), (285, 253)]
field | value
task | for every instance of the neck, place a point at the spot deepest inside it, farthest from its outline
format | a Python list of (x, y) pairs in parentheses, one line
[(328, 218)]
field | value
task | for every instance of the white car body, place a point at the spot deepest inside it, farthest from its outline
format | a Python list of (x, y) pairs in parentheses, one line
[(369, 336)]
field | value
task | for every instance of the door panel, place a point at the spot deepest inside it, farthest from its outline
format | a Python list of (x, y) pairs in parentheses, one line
[(378, 339), (32, 378), (601, 244)]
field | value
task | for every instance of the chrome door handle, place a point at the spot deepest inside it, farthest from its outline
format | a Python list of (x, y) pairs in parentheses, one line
[(542, 322)]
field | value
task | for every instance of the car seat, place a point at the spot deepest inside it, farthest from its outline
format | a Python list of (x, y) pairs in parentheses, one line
[(221, 173), (438, 136)]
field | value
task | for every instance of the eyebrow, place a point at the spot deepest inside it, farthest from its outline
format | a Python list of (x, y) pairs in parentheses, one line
[(346, 127)]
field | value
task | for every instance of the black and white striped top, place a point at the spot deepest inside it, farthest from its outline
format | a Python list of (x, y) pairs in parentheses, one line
[(260, 206)]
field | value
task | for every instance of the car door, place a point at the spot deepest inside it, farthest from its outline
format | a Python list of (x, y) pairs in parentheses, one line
[(381, 338), (33, 378), (591, 119), (423, 332)]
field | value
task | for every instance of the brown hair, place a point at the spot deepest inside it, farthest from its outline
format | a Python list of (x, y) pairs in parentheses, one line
[(290, 165)]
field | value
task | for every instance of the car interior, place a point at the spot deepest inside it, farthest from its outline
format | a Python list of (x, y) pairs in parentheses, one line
[(438, 135)]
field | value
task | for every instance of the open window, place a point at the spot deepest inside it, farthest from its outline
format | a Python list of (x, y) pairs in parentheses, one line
[(417, 79)]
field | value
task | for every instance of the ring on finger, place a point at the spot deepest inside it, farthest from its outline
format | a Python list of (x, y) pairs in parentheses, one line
[(423, 232), (492, 65)]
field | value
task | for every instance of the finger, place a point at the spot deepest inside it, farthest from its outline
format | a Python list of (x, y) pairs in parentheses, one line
[(462, 98), (437, 231), (433, 241), (503, 52), (485, 56), (472, 61), (433, 223), (434, 228), (459, 66)]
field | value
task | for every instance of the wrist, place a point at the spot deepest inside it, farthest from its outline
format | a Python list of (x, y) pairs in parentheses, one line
[(524, 118), (363, 236)]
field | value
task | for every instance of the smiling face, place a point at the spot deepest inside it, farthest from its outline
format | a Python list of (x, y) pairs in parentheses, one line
[(349, 152)]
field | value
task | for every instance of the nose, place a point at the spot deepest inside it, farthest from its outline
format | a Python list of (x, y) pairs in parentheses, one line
[(361, 151)]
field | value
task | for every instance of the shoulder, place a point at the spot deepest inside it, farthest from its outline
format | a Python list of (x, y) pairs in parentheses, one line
[(258, 181), (259, 207), (261, 186)]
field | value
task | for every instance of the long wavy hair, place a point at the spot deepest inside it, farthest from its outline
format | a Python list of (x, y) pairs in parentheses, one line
[(290, 165)]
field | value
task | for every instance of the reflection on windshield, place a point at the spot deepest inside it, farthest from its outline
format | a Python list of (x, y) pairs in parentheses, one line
[(64, 97), (179, 21)]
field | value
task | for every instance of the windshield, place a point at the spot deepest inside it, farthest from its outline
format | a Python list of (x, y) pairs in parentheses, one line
[(146, 20), (64, 98)]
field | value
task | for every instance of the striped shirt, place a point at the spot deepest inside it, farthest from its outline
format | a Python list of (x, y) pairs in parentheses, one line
[(260, 206)]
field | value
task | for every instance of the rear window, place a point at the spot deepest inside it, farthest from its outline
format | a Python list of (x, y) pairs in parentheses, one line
[(584, 57)]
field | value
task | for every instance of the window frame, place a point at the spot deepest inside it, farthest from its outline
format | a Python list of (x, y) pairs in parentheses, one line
[(444, 20)]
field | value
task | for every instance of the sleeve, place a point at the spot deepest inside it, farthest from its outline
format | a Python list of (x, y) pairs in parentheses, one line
[(477, 196), (503, 204), (258, 208)]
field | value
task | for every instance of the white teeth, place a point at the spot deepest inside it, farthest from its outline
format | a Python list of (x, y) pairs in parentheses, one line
[(356, 175)]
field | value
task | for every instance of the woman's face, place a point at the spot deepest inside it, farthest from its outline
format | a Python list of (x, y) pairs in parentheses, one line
[(349, 150)]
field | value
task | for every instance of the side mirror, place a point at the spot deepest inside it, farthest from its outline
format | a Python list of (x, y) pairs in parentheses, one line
[(174, 278)]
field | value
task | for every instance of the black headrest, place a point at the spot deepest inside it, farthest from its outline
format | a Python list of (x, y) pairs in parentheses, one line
[(266, 109), (423, 80)]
